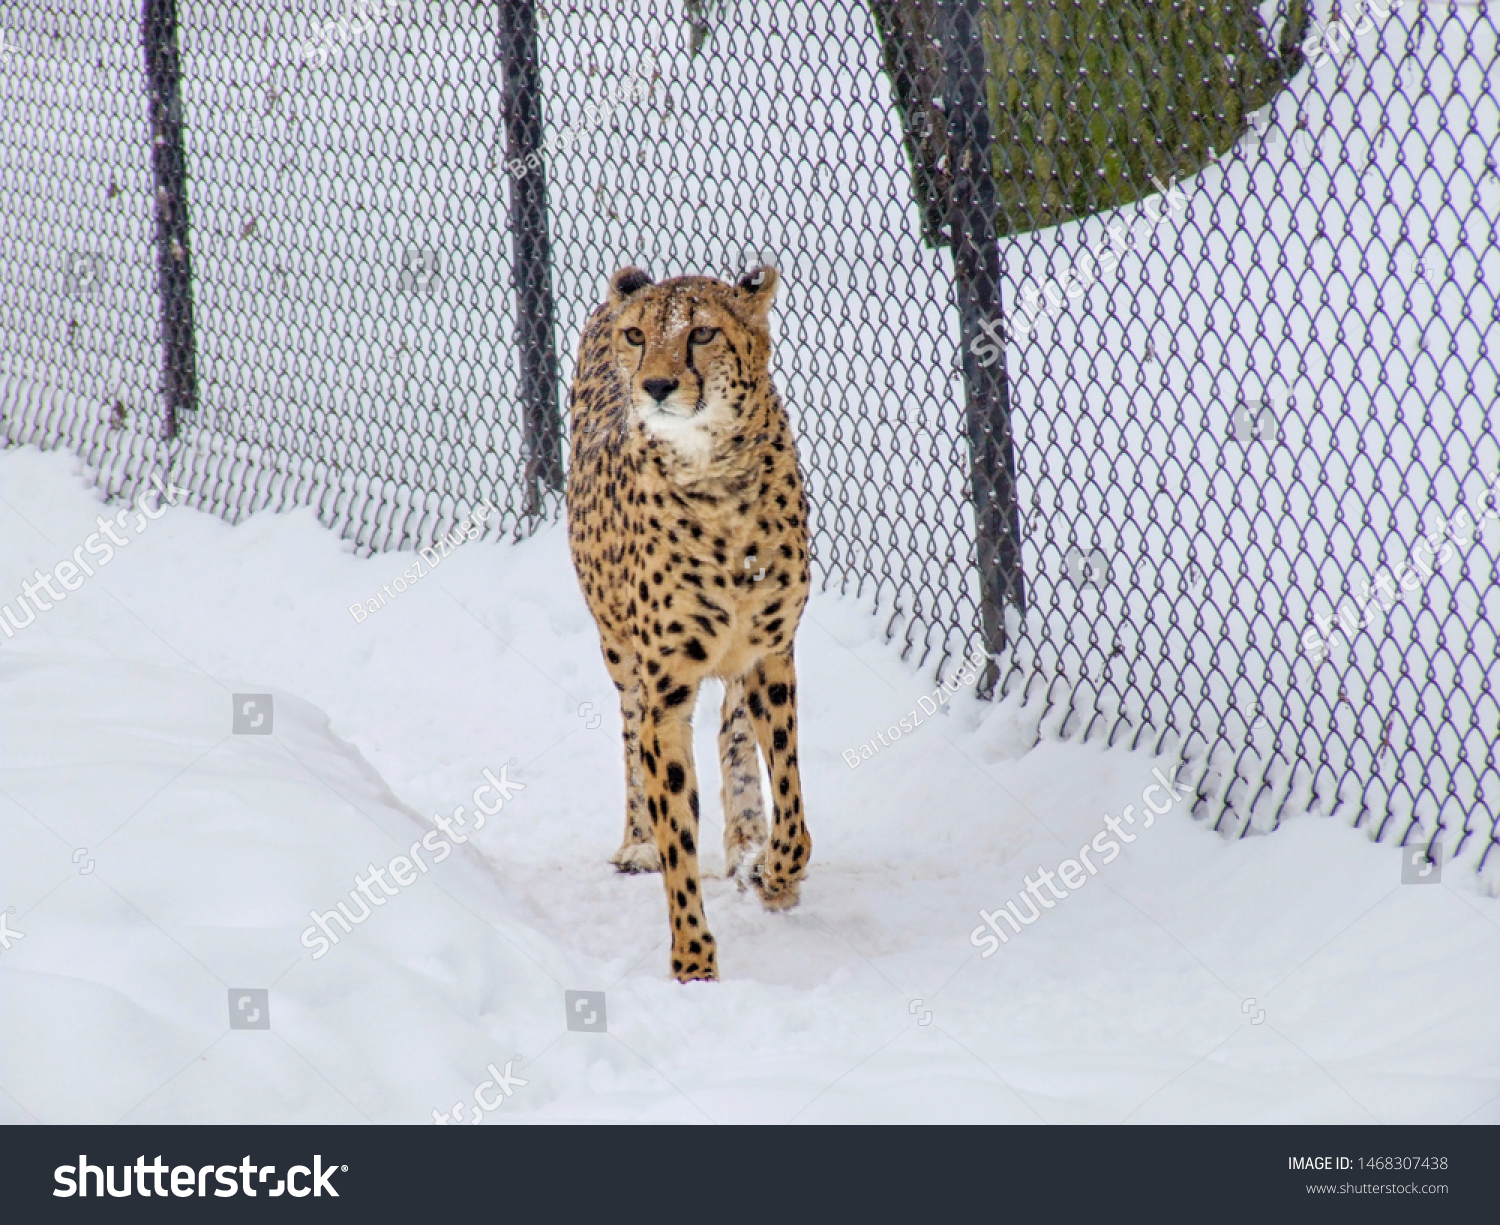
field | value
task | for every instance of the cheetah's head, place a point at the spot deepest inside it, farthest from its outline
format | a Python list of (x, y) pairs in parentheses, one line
[(692, 351)]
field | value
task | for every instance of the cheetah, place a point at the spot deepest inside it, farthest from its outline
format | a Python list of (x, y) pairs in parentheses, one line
[(688, 528)]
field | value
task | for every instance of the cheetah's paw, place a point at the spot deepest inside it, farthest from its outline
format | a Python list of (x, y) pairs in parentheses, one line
[(636, 857), (740, 860), (774, 895), (698, 974)]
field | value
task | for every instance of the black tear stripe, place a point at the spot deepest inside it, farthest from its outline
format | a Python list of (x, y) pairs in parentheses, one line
[(691, 316)]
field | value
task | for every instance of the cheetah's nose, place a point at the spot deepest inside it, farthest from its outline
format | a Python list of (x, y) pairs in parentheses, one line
[(659, 389)]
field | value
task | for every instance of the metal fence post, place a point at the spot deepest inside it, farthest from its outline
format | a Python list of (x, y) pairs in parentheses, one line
[(531, 251), (174, 264), (976, 276)]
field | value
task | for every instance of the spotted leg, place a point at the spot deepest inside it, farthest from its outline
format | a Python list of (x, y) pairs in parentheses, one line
[(771, 698), (672, 805), (637, 851)]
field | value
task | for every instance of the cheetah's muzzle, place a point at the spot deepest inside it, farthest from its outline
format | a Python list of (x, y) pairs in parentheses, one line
[(683, 470)]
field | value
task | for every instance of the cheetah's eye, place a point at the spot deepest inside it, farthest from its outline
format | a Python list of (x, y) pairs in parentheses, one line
[(701, 336), (635, 336)]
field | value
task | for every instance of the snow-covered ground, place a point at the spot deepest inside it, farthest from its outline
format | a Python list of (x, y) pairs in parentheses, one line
[(154, 865)]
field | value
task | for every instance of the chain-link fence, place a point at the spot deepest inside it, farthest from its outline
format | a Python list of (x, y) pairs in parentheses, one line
[(295, 256)]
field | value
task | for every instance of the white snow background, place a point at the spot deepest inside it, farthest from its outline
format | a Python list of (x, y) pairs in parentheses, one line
[(155, 861)]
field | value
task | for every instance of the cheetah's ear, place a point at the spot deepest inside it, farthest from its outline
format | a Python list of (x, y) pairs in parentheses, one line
[(757, 288), (626, 282)]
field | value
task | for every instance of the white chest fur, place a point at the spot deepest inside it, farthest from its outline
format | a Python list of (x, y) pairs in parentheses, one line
[(690, 437)]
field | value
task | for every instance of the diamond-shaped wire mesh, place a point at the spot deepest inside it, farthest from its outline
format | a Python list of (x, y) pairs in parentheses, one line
[(288, 255)]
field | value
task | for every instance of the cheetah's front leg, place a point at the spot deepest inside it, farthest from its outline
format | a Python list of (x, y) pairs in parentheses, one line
[(672, 803), (637, 851), (771, 695)]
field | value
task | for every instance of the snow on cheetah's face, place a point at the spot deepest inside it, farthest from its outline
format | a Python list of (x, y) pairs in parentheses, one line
[(688, 350)]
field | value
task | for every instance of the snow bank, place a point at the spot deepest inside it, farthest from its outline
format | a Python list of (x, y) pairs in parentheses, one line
[(161, 865)]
